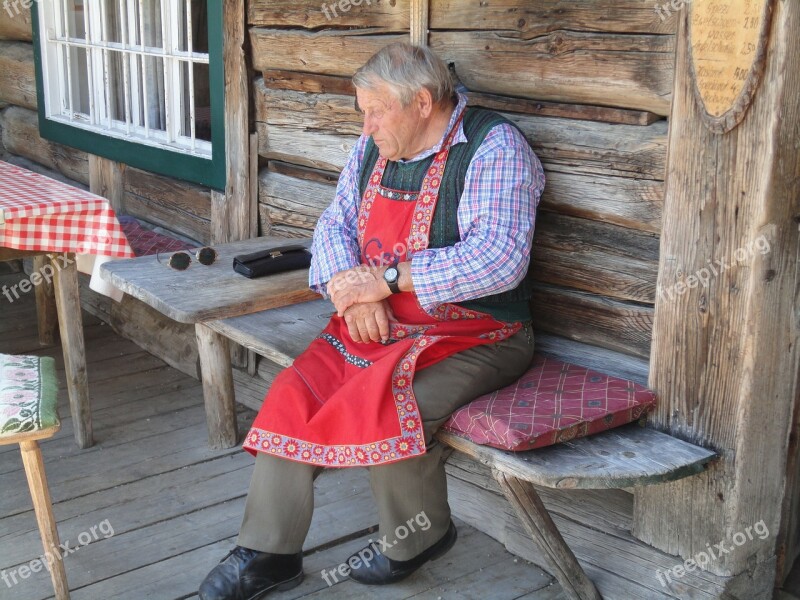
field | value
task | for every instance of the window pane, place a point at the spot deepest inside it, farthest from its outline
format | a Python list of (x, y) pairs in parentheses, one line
[(199, 26), (74, 20), (80, 81), (151, 12), (202, 102), (116, 85), (113, 21), (156, 111)]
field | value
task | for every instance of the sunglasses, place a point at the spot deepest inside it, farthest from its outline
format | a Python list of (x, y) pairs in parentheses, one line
[(180, 261)]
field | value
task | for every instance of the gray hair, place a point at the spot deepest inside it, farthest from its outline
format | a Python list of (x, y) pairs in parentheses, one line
[(406, 69)]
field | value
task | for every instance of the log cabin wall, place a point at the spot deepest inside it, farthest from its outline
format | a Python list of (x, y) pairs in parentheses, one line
[(591, 95)]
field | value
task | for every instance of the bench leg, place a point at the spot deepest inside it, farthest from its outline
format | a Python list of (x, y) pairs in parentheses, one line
[(70, 323), (534, 516), (215, 367), (43, 507)]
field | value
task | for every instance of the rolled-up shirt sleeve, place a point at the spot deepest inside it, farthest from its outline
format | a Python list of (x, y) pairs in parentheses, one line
[(335, 244), (496, 219)]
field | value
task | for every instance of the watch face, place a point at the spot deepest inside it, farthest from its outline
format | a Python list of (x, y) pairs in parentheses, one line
[(390, 274)]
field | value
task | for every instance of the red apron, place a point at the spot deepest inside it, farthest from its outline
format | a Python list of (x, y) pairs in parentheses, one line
[(347, 404)]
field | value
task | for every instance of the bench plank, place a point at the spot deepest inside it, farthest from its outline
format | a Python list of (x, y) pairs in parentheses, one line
[(619, 458), (280, 334)]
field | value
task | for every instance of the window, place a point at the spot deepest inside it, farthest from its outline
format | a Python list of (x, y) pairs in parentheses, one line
[(139, 81)]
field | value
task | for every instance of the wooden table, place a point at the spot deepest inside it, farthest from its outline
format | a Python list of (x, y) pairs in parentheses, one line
[(203, 294), (51, 221)]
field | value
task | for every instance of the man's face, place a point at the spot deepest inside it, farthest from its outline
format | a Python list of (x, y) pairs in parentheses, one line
[(393, 128)]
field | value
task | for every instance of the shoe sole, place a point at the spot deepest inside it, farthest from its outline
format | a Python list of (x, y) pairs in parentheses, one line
[(281, 587)]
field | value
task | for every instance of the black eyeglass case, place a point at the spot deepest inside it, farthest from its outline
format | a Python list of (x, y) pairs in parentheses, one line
[(272, 260)]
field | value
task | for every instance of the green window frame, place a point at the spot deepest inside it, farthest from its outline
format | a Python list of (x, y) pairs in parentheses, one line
[(174, 163)]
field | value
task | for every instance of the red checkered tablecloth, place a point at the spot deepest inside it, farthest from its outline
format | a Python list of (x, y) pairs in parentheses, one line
[(39, 213)]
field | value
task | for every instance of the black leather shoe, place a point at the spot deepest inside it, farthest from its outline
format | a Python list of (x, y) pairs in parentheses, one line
[(381, 569), (246, 574)]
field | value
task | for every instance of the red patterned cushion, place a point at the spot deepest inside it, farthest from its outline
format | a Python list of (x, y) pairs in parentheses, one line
[(144, 241), (552, 402)]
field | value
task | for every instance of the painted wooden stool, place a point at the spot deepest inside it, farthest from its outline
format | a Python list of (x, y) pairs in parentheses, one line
[(28, 413)]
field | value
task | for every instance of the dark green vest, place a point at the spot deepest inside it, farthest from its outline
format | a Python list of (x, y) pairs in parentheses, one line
[(509, 306)]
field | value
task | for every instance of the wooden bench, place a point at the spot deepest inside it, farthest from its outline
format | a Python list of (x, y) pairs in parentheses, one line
[(620, 458)]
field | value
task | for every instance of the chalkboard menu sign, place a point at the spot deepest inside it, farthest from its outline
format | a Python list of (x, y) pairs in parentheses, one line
[(728, 48)]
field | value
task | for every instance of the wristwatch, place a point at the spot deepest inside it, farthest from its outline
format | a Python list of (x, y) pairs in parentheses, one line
[(391, 276)]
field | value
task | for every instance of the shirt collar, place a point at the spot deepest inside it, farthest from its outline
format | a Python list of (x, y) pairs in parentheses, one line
[(457, 138)]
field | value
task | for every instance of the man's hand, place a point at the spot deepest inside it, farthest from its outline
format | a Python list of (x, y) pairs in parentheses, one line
[(369, 322), (358, 285)]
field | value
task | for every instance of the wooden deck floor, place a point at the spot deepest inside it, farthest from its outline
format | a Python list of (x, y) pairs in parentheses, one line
[(159, 508)]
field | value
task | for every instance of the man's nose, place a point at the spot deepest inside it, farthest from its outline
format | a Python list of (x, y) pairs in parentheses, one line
[(369, 126)]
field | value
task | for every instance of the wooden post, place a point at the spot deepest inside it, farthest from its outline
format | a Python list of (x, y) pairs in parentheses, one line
[(43, 507), (215, 367), (537, 522), (237, 126), (420, 16), (725, 352), (105, 179), (70, 323)]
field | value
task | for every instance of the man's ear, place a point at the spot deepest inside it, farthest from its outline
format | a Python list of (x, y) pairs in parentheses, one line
[(424, 101)]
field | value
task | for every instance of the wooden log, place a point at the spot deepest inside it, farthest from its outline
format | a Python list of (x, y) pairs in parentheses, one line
[(17, 74), (328, 52), (534, 516), (46, 313), (43, 507), (70, 324), (329, 84), (20, 129), (625, 327), (544, 16), (217, 388), (292, 201), (237, 123), (177, 205), (636, 72), (633, 203), (16, 23), (595, 257), (318, 130), (105, 179), (300, 172), (725, 356), (312, 14)]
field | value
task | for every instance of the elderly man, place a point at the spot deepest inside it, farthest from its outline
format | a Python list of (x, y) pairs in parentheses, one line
[(424, 253)]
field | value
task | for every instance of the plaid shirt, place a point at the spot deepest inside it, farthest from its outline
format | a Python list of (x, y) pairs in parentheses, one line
[(496, 217)]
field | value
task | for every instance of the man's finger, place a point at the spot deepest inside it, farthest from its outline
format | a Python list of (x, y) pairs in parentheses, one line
[(382, 321), (352, 329), (373, 327), (362, 330)]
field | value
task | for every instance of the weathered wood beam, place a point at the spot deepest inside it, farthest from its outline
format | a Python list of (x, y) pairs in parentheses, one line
[(177, 205), (17, 74), (622, 326), (16, 23), (46, 313), (545, 16), (328, 52), (313, 14), (20, 130), (105, 179), (636, 72), (420, 22), (318, 130), (725, 355), (237, 123)]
